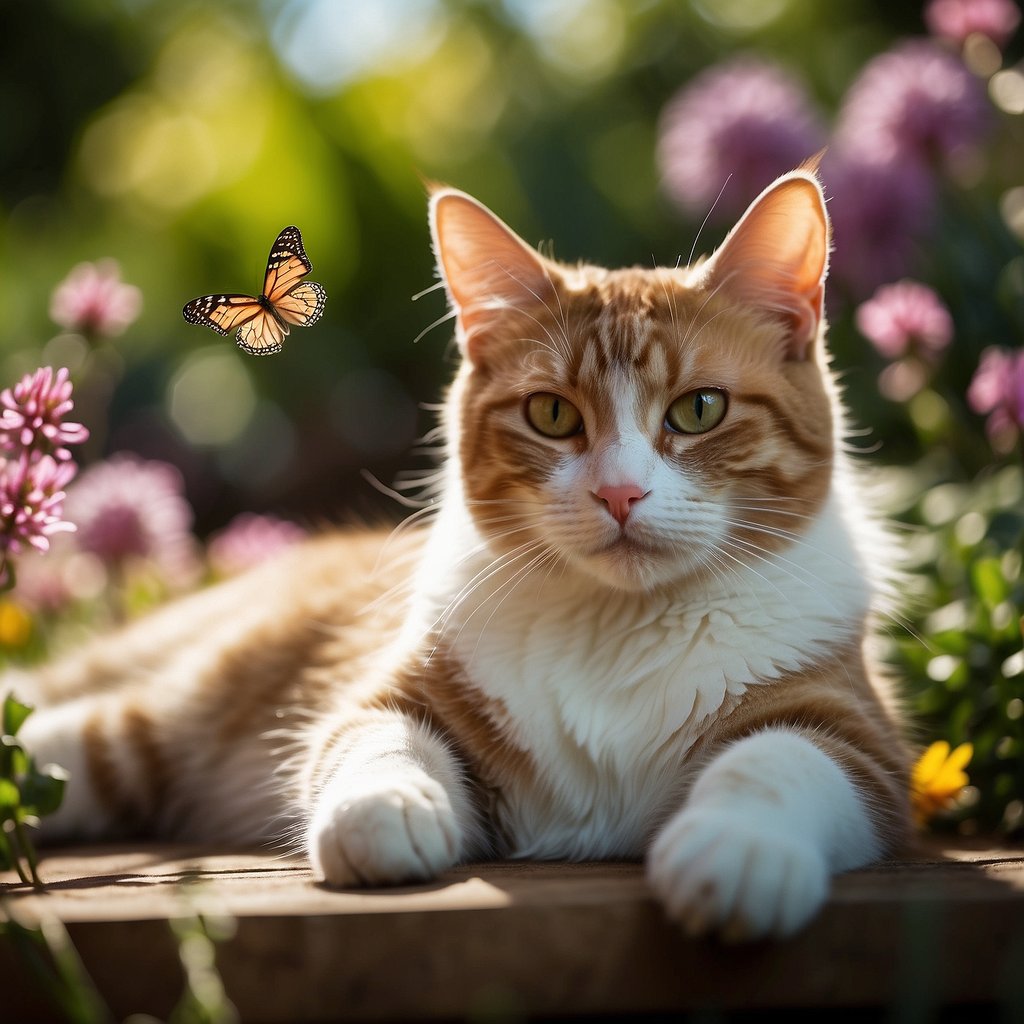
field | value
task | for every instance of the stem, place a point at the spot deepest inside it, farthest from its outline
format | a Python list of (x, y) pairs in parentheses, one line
[(11, 849), (29, 853)]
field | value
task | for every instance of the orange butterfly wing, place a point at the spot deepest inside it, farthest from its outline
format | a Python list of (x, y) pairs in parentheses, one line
[(303, 305), (286, 266), (263, 322), (222, 312), (263, 335)]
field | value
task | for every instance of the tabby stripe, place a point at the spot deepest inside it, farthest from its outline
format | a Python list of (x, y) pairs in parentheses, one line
[(141, 737), (104, 774), (786, 425)]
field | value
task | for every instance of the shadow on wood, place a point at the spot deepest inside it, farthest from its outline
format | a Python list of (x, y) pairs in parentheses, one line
[(506, 941)]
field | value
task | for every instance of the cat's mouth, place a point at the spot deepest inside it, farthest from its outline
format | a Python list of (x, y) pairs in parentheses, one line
[(627, 544)]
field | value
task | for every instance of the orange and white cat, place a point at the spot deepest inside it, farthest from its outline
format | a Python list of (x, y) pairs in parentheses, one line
[(634, 627)]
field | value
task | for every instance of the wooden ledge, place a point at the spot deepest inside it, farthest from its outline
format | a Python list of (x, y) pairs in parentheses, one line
[(516, 939)]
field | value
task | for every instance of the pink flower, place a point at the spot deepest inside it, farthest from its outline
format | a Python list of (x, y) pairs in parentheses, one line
[(907, 318), (35, 467), (916, 102), (32, 415), (250, 539), (881, 213), (744, 122), (93, 301), (31, 505), (129, 509), (956, 20), (997, 389)]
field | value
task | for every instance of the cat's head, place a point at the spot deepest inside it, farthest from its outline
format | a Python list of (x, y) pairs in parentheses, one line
[(642, 425)]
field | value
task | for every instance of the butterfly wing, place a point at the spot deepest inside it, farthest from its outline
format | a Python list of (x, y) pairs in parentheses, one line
[(222, 312), (303, 305), (286, 266), (263, 335)]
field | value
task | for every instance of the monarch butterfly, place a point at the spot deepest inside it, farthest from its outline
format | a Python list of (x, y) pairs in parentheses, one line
[(264, 321)]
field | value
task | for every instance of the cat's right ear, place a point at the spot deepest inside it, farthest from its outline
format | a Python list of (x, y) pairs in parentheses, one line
[(486, 267)]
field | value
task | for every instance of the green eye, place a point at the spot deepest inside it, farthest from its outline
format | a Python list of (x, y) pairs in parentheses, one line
[(697, 411), (552, 415)]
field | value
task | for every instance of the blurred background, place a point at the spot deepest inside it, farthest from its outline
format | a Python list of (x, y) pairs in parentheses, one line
[(151, 150)]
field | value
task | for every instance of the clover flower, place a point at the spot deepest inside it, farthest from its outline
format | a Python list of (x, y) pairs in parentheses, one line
[(908, 324), (250, 539), (916, 102), (958, 20), (94, 301), (32, 415), (31, 506), (130, 510), (743, 122), (35, 464), (937, 779), (906, 318), (997, 389)]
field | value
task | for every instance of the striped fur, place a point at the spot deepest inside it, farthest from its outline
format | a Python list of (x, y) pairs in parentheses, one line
[(624, 642)]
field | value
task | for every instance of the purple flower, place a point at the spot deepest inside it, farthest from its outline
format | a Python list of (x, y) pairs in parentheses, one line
[(32, 415), (997, 389), (916, 102), (957, 20), (250, 539), (93, 300), (881, 212), (31, 505), (906, 319), (129, 509), (746, 122)]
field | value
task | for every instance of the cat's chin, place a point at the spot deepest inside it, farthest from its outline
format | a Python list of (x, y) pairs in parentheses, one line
[(635, 566)]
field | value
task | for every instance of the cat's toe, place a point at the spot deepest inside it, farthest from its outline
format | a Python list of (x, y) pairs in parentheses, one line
[(385, 832), (717, 873)]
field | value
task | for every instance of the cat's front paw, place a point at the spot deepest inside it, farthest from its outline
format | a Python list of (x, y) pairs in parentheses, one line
[(717, 872), (397, 828)]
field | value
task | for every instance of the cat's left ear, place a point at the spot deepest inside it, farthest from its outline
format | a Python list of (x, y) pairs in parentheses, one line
[(487, 268), (776, 258)]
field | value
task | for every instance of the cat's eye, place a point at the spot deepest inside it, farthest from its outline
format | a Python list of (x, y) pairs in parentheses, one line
[(552, 416), (697, 411)]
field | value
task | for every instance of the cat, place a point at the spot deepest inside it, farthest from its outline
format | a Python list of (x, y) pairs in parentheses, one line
[(633, 628)]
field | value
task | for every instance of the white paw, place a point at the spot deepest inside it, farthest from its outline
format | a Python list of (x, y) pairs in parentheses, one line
[(399, 828), (715, 871)]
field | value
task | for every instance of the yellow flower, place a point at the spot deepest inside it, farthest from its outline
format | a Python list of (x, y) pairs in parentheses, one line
[(15, 625), (938, 778)]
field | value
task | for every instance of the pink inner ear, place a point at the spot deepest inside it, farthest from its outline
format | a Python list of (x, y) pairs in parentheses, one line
[(776, 257), (485, 265)]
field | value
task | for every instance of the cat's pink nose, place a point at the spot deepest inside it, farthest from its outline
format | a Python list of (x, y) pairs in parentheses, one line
[(620, 500)]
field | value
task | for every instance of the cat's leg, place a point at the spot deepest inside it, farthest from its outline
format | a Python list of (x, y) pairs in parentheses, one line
[(392, 804), (766, 824), (102, 750)]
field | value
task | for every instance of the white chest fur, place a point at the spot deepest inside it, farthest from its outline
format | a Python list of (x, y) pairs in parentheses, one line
[(607, 690)]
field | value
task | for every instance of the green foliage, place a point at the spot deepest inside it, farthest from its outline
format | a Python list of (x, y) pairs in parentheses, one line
[(960, 651), (27, 793), (50, 957)]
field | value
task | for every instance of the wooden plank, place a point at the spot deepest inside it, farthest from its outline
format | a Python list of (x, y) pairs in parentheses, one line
[(517, 938)]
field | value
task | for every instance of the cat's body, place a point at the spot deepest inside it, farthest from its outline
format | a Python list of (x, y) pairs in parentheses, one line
[(627, 632)]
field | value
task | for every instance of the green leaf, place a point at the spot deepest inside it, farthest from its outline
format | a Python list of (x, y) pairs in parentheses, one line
[(10, 798), (989, 583), (13, 759), (43, 791), (14, 714)]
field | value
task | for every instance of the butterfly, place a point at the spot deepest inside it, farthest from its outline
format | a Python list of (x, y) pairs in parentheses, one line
[(264, 321)]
